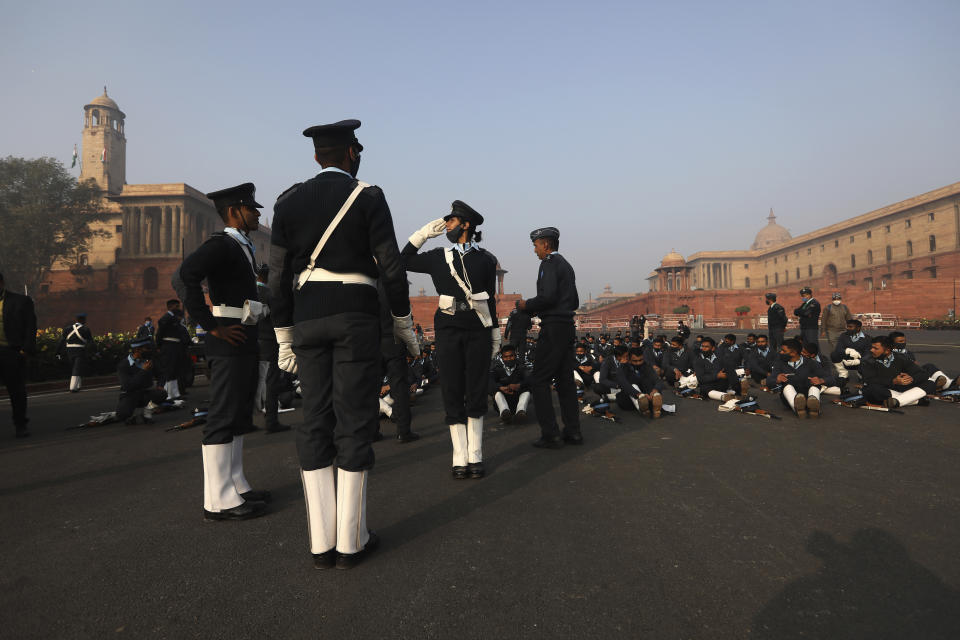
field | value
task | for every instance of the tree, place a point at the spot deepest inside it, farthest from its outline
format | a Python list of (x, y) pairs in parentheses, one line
[(45, 217)]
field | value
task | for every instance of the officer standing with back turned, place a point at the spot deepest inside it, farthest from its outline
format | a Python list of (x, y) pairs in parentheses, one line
[(332, 239), (555, 302)]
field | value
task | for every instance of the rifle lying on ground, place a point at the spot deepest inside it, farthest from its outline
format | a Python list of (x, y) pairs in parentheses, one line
[(199, 418), (749, 406), (946, 396), (109, 417), (859, 402)]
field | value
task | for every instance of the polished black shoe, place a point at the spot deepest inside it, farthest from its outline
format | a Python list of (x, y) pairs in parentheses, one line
[(277, 428), (520, 416), (244, 511), (256, 496), (506, 416), (573, 438), (409, 436), (459, 473), (555, 442), (476, 470), (325, 560), (350, 560)]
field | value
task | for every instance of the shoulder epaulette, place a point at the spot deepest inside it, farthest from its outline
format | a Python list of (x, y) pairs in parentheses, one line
[(287, 192)]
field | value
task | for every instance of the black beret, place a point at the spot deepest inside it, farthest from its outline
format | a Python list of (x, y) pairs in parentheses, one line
[(465, 212), (806, 290), (770, 296), (338, 134), (545, 232), (242, 194)]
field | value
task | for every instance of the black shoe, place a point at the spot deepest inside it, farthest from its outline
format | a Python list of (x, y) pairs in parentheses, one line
[(573, 438), (506, 416), (409, 436), (277, 428), (245, 511), (459, 473), (325, 560), (256, 496), (519, 416), (476, 470), (891, 403), (553, 442), (377, 437), (350, 560)]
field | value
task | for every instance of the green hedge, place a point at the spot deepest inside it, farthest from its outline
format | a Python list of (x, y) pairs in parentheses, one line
[(109, 349)]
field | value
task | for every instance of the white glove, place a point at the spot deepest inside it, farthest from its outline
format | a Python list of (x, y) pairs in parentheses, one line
[(852, 353), (286, 360), (432, 229), (403, 331), (851, 363), (495, 334)]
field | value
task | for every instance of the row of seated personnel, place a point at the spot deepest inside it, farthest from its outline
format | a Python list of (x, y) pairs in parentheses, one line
[(889, 373)]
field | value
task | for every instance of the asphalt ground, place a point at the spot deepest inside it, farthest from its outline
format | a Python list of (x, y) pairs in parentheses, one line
[(700, 525)]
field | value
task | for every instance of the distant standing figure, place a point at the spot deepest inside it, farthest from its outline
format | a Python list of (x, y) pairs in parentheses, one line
[(776, 321), (835, 318), (18, 337), (76, 342), (809, 314)]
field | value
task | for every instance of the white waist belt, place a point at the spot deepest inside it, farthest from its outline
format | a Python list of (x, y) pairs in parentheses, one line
[(214, 313), (250, 313), (322, 275)]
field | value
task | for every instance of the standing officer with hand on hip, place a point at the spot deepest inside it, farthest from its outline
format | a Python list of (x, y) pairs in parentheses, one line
[(227, 262), (332, 239), (776, 322), (555, 302)]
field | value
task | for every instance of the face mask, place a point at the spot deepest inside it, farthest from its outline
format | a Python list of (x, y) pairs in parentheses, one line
[(355, 166), (785, 357), (836, 302), (454, 234), (148, 323)]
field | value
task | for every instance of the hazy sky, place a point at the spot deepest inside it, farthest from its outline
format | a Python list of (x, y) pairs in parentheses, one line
[(634, 127)]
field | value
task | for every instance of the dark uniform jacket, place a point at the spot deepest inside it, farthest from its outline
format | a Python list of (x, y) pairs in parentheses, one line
[(654, 357), (878, 372), (846, 341), (603, 350), (133, 378), (82, 337), (681, 359), (230, 280), (557, 297), (809, 314), (759, 362), (19, 321), (501, 376), (146, 331), (776, 317), (827, 372), (481, 275), (731, 354), (609, 372), (364, 242), (169, 326), (587, 361), (518, 324), (799, 376), (643, 376), (707, 369), (266, 337)]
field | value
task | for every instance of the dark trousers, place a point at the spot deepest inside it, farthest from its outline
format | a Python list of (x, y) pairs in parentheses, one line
[(395, 365), (519, 341), (272, 400), (775, 338), (130, 400), (811, 335), (233, 384), (877, 393), (169, 356), (13, 373), (553, 359), (338, 358), (464, 357), (78, 361)]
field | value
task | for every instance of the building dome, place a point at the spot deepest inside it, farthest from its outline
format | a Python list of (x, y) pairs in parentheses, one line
[(771, 235), (673, 259), (104, 101)]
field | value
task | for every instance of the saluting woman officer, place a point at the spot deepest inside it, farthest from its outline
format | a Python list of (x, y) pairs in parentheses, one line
[(466, 324)]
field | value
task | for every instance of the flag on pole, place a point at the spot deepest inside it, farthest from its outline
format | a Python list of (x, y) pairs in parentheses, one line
[(103, 155), (74, 163)]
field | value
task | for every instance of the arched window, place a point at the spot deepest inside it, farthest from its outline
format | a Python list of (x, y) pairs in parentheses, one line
[(150, 279), (909, 247), (96, 117), (84, 259)]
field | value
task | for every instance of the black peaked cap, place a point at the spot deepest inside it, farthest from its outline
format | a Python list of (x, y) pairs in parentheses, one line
[(465, 212), (337, 134), (545, 232), (242, 194)]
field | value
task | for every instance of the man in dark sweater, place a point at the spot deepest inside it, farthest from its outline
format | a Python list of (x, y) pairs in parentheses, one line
[(515, 332), (18, 338), (653, 355), (714, 377), (939, 379), (640, 386), (508, 385), (809, 314), (77, 344), (758, 362), (849, 350), (585, 367), (776, 321), (327, 318), (678, 361), (891, 379), (799, 380), (138, 384), (555, 303), (172, 342), (608, 383)]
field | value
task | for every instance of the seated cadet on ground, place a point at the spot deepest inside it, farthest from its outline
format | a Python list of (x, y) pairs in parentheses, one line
[(732, 356), (654, 354), (604, 348), (640, 386), (749, 344), (715, 378), (831, 383), (414, 377), (586, 369), (889, 378), (799, 379), (758, 362), (138, 386), (940, 379), (508, 385), (677, 362), (851, 347), (591, 345), (607, 382)]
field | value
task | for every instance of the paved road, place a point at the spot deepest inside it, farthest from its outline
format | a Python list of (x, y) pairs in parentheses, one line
[(703, 525)]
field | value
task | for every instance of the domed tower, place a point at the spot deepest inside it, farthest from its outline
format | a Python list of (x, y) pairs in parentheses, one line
[(771, 235), (104, 155)]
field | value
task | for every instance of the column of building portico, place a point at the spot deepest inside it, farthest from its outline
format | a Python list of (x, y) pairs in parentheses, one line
[(177, 244), (166, 224)]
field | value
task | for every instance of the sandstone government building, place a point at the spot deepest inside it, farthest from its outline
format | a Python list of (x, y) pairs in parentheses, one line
[(902, 259)]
